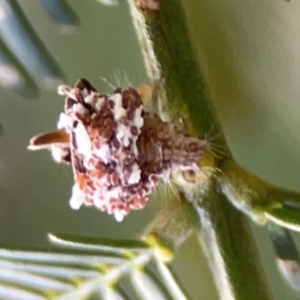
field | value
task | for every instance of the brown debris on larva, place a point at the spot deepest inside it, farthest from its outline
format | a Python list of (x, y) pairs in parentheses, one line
[(117, 150)]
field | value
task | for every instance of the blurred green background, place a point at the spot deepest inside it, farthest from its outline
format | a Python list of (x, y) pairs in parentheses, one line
[(250, 54)]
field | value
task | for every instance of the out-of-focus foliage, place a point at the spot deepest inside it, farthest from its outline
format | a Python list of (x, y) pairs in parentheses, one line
[(88, 268)]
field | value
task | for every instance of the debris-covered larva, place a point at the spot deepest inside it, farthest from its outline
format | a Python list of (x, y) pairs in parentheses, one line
[(117, 150)]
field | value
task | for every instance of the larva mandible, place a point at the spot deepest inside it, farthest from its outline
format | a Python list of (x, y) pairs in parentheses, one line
[(117, 150)]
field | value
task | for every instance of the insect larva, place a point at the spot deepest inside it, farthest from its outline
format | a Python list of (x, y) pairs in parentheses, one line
[(117, 150)]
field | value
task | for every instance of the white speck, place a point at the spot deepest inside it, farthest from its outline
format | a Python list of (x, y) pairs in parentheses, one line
[(138, 119), (113, 193), (99, 103), (58, 153), (89, 98), (119, 215), (65, 90), (84, 92), (98, 199), (83, 140), (118, 109), (79, 109), (135, 175), (134, 147), (64, 121), (77, 198), (123, 134), (104, 153)]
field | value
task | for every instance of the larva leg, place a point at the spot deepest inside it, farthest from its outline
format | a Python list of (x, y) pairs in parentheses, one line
[(150, 92), (145, 91)]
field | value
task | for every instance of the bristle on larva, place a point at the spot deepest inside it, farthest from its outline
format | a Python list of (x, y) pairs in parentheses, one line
[(117, 150)]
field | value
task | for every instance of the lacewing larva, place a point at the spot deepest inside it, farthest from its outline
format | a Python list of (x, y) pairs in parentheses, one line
[(117, 150)]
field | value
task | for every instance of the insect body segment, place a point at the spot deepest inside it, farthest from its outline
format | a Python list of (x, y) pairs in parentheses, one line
[(117, 150)]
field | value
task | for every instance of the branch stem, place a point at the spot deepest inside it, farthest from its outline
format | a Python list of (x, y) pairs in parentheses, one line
[(226, 236)]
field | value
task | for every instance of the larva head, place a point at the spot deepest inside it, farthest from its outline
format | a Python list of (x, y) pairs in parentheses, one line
[(117, 151)]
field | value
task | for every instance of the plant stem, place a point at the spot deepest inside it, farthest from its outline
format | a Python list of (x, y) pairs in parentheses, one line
[(233, 257), (287, 255), (225, 233)]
